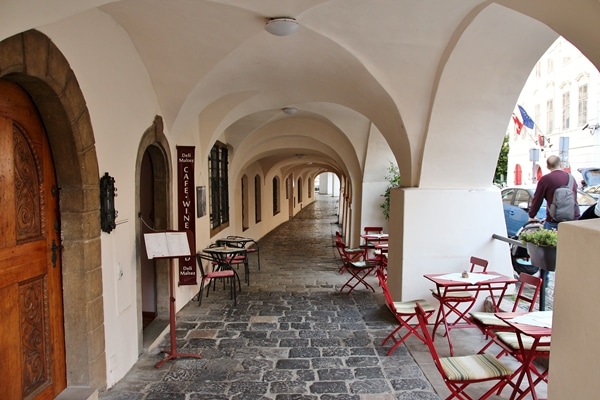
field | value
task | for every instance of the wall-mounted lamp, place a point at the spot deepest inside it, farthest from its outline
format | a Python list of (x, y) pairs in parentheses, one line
[(108, 214), (289, 110), (592, 128), (281, 26)]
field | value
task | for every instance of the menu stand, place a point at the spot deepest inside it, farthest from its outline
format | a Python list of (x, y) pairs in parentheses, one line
[(170, 245)]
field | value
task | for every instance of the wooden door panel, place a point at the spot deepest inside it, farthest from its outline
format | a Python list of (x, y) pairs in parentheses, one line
[(32, 329)]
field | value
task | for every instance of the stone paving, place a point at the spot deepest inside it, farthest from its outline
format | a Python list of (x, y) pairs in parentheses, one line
[(292, 335)]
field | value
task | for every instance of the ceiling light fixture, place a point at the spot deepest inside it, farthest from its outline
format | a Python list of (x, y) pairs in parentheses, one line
[(289, 110), (281, 26)]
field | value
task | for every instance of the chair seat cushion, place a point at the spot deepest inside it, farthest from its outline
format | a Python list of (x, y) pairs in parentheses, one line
[(487, 319), (408, 307), (474, 367), (360, 264), (510, 339), (354, 250)]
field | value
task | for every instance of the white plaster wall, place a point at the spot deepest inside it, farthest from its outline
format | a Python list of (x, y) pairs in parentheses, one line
[(575, 355), (378, 158), (122, 105), (437, 231)]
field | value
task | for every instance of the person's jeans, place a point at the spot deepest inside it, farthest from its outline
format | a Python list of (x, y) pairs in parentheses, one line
[(550, 225)]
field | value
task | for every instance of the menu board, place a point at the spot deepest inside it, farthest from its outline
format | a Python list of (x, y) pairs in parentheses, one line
[(167, 244)]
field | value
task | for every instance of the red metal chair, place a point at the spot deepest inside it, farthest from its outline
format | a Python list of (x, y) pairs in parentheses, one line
[(404, 312), (489, 324), (348, 254), (460, 372), (456, 304), (357, 265)]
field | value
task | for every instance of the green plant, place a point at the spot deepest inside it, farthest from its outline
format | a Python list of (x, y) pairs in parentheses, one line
[(393, 177), (540, 237)]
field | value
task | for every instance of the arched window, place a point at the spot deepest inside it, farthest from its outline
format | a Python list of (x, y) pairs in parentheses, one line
[(257, 199), (244, 182), (276, 195), (299, 190)]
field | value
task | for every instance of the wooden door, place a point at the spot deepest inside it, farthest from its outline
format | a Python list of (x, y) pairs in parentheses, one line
[(32, 346)]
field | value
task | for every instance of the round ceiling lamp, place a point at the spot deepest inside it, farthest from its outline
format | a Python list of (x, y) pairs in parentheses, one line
[(289, 110), (282, 26)]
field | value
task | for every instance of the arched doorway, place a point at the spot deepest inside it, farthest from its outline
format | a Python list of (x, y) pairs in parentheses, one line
[(72, 147), (153, 177)]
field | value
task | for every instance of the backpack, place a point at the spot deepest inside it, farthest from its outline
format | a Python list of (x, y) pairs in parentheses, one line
[(563, 203)]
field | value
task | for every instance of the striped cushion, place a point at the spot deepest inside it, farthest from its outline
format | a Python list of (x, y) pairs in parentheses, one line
[(487, 319), (360, 264), (435, 292), (475, 367), (353, 250), (408, 307), (511, 340)]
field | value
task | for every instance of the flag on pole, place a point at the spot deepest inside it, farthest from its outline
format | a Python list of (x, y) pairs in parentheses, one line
[(518, 124), (527, 121)]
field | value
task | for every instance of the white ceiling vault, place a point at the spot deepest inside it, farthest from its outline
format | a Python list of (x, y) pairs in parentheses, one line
[(438, 79)]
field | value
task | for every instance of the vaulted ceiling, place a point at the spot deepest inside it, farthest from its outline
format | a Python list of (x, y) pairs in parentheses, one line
[(433, 78)]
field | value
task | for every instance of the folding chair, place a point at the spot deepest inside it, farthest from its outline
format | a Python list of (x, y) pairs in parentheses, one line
[(489, 324), (404, 312), (459, 372), (207, 277), (356, 265), (348, 254), (450, 301)]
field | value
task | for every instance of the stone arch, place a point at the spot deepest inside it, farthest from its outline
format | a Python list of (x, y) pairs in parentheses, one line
[(31, 60)]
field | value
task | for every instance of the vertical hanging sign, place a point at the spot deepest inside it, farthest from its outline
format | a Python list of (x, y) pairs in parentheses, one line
[(185, 206)]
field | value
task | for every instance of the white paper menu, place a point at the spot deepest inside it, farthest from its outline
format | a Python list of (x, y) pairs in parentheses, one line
[(167, 244)]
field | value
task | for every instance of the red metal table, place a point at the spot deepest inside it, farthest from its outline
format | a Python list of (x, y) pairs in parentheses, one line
[(493, 283), (540, 329)]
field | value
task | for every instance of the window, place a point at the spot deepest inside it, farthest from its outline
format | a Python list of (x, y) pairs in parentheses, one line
[(276, 195), (566, 104), (550, 65), (582, 105), (549, 116), (244, 183), (219, 190), (257, 197), (299, 190), (310, 187)]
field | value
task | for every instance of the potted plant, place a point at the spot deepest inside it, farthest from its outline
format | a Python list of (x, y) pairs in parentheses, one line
[(541, 246)]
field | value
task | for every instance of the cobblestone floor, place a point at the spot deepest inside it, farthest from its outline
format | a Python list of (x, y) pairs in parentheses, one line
[(292, 335)]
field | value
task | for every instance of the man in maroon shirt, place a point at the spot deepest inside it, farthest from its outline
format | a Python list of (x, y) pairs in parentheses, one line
[(545, 190)]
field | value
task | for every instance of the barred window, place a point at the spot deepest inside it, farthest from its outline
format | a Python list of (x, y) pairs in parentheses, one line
[(219, 190)]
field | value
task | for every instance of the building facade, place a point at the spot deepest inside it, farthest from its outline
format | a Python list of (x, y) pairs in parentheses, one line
[(562, 97)]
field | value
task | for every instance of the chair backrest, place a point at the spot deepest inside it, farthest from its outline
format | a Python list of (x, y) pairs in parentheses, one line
[(199, 258), (349, 257), (528, 292), (373, 230), (478, 264), (386, 293), (422, 317)]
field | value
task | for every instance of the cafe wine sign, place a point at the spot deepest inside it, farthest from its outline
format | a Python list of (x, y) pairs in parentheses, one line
[(185, 205)]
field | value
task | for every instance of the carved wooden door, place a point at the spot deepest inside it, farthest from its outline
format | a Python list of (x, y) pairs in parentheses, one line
[(32, 349)]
